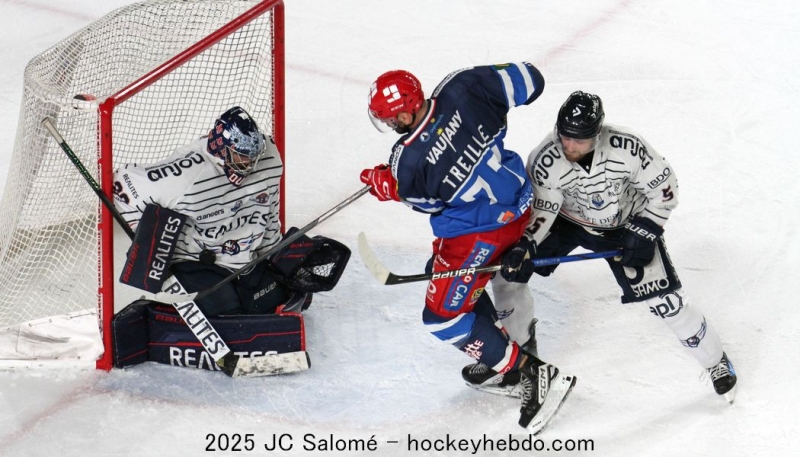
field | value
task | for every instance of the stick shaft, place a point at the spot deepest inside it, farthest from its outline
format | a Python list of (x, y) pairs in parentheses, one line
[(397, 279), (385, 276), (284, 242), (48, 124)]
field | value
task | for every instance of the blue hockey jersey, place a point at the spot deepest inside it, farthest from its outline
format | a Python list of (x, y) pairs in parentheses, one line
[(454, 165)]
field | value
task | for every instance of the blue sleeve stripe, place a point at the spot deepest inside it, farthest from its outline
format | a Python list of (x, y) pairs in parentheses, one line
[(517, 82)]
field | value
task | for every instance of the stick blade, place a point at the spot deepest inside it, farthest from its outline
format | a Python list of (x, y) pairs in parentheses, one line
[(374, 265), (270, 365)]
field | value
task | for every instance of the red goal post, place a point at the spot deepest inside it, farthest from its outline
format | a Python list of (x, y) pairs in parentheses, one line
[(149, 77)]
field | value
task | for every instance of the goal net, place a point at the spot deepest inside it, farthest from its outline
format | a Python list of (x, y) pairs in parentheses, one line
[(130, 87)]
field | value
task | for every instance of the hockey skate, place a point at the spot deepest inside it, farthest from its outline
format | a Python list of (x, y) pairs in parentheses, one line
[(544, 390), (531, 346), (479, 376), (724, 378)]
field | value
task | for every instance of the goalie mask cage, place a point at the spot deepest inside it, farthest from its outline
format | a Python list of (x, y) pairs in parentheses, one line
[(130, 87)]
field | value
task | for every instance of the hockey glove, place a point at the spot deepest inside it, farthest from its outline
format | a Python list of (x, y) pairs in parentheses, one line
[(310, 264), (516, 265), (639, 241), (384, 186)]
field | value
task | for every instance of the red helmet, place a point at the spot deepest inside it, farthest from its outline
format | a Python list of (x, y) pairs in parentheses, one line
[(394, 92)]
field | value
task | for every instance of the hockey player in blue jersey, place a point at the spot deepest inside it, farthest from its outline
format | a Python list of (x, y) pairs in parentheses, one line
[(451, 163)]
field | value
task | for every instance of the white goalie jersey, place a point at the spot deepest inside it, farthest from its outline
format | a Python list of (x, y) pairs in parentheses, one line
[(237, 223), (627, 178)]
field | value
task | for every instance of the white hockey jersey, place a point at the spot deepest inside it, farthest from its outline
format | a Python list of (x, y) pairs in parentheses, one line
[(237, 223), (627, 178)]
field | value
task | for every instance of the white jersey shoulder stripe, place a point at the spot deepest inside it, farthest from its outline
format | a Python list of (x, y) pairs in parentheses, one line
[(508, 85)]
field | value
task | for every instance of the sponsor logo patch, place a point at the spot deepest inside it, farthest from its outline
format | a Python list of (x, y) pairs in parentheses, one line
[(694, 340)]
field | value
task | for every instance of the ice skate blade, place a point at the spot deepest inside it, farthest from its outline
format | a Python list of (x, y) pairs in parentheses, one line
[(730, 395), (506, 391)]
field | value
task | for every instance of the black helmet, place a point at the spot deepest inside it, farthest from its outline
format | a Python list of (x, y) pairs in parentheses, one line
[(581, 116)]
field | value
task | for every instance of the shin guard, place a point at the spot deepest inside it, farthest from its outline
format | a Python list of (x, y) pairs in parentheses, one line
[(689, 325), (514, 305)]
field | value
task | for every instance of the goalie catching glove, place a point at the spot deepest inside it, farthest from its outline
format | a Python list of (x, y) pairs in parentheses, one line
[(311, 264)]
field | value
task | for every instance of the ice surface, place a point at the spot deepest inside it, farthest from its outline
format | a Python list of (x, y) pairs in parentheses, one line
[(712, 85)]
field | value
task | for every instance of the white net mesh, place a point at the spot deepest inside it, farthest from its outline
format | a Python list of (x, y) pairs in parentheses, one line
[(48, 232)]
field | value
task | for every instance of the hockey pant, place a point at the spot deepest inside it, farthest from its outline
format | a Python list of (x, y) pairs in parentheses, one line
[(450, 304), (257, 292), (656, 284)]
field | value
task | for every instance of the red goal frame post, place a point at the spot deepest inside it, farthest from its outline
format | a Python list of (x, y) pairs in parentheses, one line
[(106, 164)]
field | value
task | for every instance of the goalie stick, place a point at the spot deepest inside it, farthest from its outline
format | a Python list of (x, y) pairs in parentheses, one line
[(386, 277), (167, 296), (232, 365)]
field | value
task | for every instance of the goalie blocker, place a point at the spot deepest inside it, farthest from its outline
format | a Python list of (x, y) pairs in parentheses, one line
[(152, 248), (152, 331)]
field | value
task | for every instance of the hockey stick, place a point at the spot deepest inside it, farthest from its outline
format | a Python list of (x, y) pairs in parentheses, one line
[(167, 296), (386, 277), (231, 364)]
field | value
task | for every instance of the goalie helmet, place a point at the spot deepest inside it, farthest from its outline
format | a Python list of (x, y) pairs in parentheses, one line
[(581, 116), (237, 141), (392, 93)]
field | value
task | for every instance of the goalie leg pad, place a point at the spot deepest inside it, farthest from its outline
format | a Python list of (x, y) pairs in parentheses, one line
[(172, 342), (129, 330), (150, 331)]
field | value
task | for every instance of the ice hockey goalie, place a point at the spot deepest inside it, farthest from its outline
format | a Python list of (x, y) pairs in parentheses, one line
[(152, 331)]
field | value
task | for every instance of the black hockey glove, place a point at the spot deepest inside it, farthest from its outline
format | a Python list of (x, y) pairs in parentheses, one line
[(639, 241), (516, 265), (311, 264)]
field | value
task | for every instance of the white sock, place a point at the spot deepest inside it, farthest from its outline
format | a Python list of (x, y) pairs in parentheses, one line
[(689, 325), (514, 304)]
